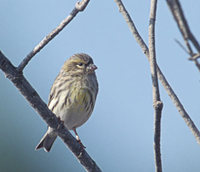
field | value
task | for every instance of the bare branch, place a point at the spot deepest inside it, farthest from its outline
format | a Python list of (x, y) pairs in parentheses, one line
[(41, 108), (184, 28), (80, 6), (161, 77), (157, 103)]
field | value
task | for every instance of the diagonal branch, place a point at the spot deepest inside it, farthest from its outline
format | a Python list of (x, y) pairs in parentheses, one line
[(184, 28), (80, 6), (161, 77), (41, 108), (157, 103)]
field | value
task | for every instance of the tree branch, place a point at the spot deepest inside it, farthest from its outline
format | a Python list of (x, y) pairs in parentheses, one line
[(184, 28), (80, 6), (161, 77), (41, 108), (157, 103)]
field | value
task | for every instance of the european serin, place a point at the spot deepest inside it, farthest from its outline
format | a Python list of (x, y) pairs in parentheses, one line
[(72, 96)]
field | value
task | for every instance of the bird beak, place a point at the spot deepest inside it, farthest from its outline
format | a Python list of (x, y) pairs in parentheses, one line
[(92, 68)]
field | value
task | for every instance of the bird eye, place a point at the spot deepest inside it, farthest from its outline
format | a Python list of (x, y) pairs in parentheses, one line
[(80, 64)]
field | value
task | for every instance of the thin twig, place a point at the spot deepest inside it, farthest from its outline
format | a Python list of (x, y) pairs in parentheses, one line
[(80, 6), (161, 77), (37, 103), (184, 28), (194, 57), (157, 103), (181, 45)]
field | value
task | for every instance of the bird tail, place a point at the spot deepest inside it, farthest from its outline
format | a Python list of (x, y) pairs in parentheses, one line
[(47, 140)]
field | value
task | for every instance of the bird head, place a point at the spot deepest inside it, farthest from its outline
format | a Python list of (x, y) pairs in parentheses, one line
[(79, 64)]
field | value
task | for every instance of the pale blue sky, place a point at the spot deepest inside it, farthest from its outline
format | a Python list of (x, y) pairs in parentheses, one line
[(119, 135)]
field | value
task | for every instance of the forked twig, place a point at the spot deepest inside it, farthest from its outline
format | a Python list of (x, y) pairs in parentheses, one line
[(184, 28), (80, 6), (181, 45)]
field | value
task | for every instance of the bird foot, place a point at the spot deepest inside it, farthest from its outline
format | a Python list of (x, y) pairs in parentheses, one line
[(81, 144)]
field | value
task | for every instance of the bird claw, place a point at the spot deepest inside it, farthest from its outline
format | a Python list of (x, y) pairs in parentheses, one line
[(81, 144)]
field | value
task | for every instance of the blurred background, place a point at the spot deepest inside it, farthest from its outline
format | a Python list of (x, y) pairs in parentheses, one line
[(119, 134)]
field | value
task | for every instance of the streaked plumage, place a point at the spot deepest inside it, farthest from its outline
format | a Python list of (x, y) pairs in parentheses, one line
[(72, 95)]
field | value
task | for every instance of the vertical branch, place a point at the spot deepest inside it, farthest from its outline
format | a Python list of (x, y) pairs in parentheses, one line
[(152, 52), (156, 95)]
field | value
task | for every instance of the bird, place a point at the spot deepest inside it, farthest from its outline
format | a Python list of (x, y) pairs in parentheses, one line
[(72, 96)]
